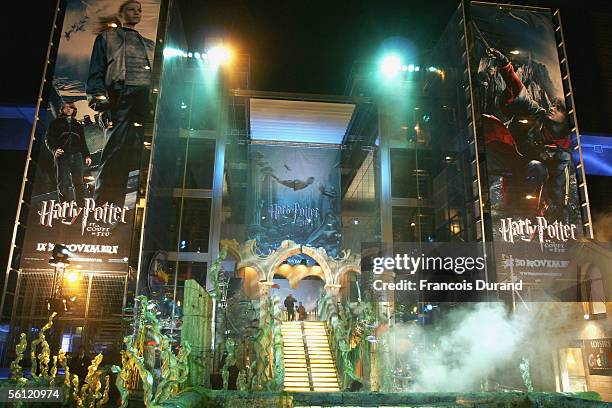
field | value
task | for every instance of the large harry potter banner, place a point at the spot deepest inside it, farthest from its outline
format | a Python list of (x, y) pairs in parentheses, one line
[(523, 119), (294, 192), (84, 193)]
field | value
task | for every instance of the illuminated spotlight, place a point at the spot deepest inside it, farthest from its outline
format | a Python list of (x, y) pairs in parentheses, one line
[(172, 52), (448, 158), (413, 224), (183, 105), (417, 68), (404, 67), (586, 317), (196, 55), (190, 55), (523, 121), (391, 65), (530, 197), (411, 68), (515, 52), (433, 69), (72, 277), (114, 25), (428, 307), (184, 55), (219, 55)]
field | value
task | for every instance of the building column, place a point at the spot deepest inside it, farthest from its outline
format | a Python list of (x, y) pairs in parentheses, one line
[(333, 289), (264, 296)]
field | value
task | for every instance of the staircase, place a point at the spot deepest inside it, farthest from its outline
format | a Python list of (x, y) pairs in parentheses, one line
[(309, 365)]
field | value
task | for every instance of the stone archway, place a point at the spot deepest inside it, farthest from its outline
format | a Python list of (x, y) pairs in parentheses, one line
[(265, 265), (289, 249)]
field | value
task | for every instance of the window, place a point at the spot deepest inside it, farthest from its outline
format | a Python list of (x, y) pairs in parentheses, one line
[(195, 225), (571, 369), (592, 291)]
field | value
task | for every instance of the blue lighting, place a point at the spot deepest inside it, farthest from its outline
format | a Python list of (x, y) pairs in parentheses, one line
[(172, 52), (596, 155), (429, 307)]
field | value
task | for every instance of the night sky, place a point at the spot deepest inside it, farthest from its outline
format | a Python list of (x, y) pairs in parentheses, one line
[(306, 46)]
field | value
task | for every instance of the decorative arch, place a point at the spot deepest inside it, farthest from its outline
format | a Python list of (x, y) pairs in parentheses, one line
[(246, 255), (289, 249), (347, 269)]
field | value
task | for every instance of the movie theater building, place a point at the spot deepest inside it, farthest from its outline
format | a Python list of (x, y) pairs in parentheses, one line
[(287, 186)]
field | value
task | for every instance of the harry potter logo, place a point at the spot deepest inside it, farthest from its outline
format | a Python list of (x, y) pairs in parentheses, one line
[(295, 212), (105, 214), (525, 230)]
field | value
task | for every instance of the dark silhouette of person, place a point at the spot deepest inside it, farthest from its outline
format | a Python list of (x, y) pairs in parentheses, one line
[(301, 312), (79, 364), (290, 305)]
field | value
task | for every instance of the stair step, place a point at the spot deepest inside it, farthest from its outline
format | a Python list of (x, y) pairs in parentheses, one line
[(308, 361)]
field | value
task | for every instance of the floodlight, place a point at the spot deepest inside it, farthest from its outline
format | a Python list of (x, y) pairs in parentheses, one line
[(391, 65), (219, 55), (72, 277)]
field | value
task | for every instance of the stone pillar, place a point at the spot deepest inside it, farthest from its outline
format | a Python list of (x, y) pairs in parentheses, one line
[(333, 289), (264, 294), (196, 330), (373, 369), (264, 289)]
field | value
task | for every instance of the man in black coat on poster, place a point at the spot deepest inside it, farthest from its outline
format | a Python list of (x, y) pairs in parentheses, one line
[(119, 82)]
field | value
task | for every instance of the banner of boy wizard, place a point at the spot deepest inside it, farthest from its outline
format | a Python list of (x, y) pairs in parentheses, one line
[(295, 196), (523, 121), (84, 194)]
